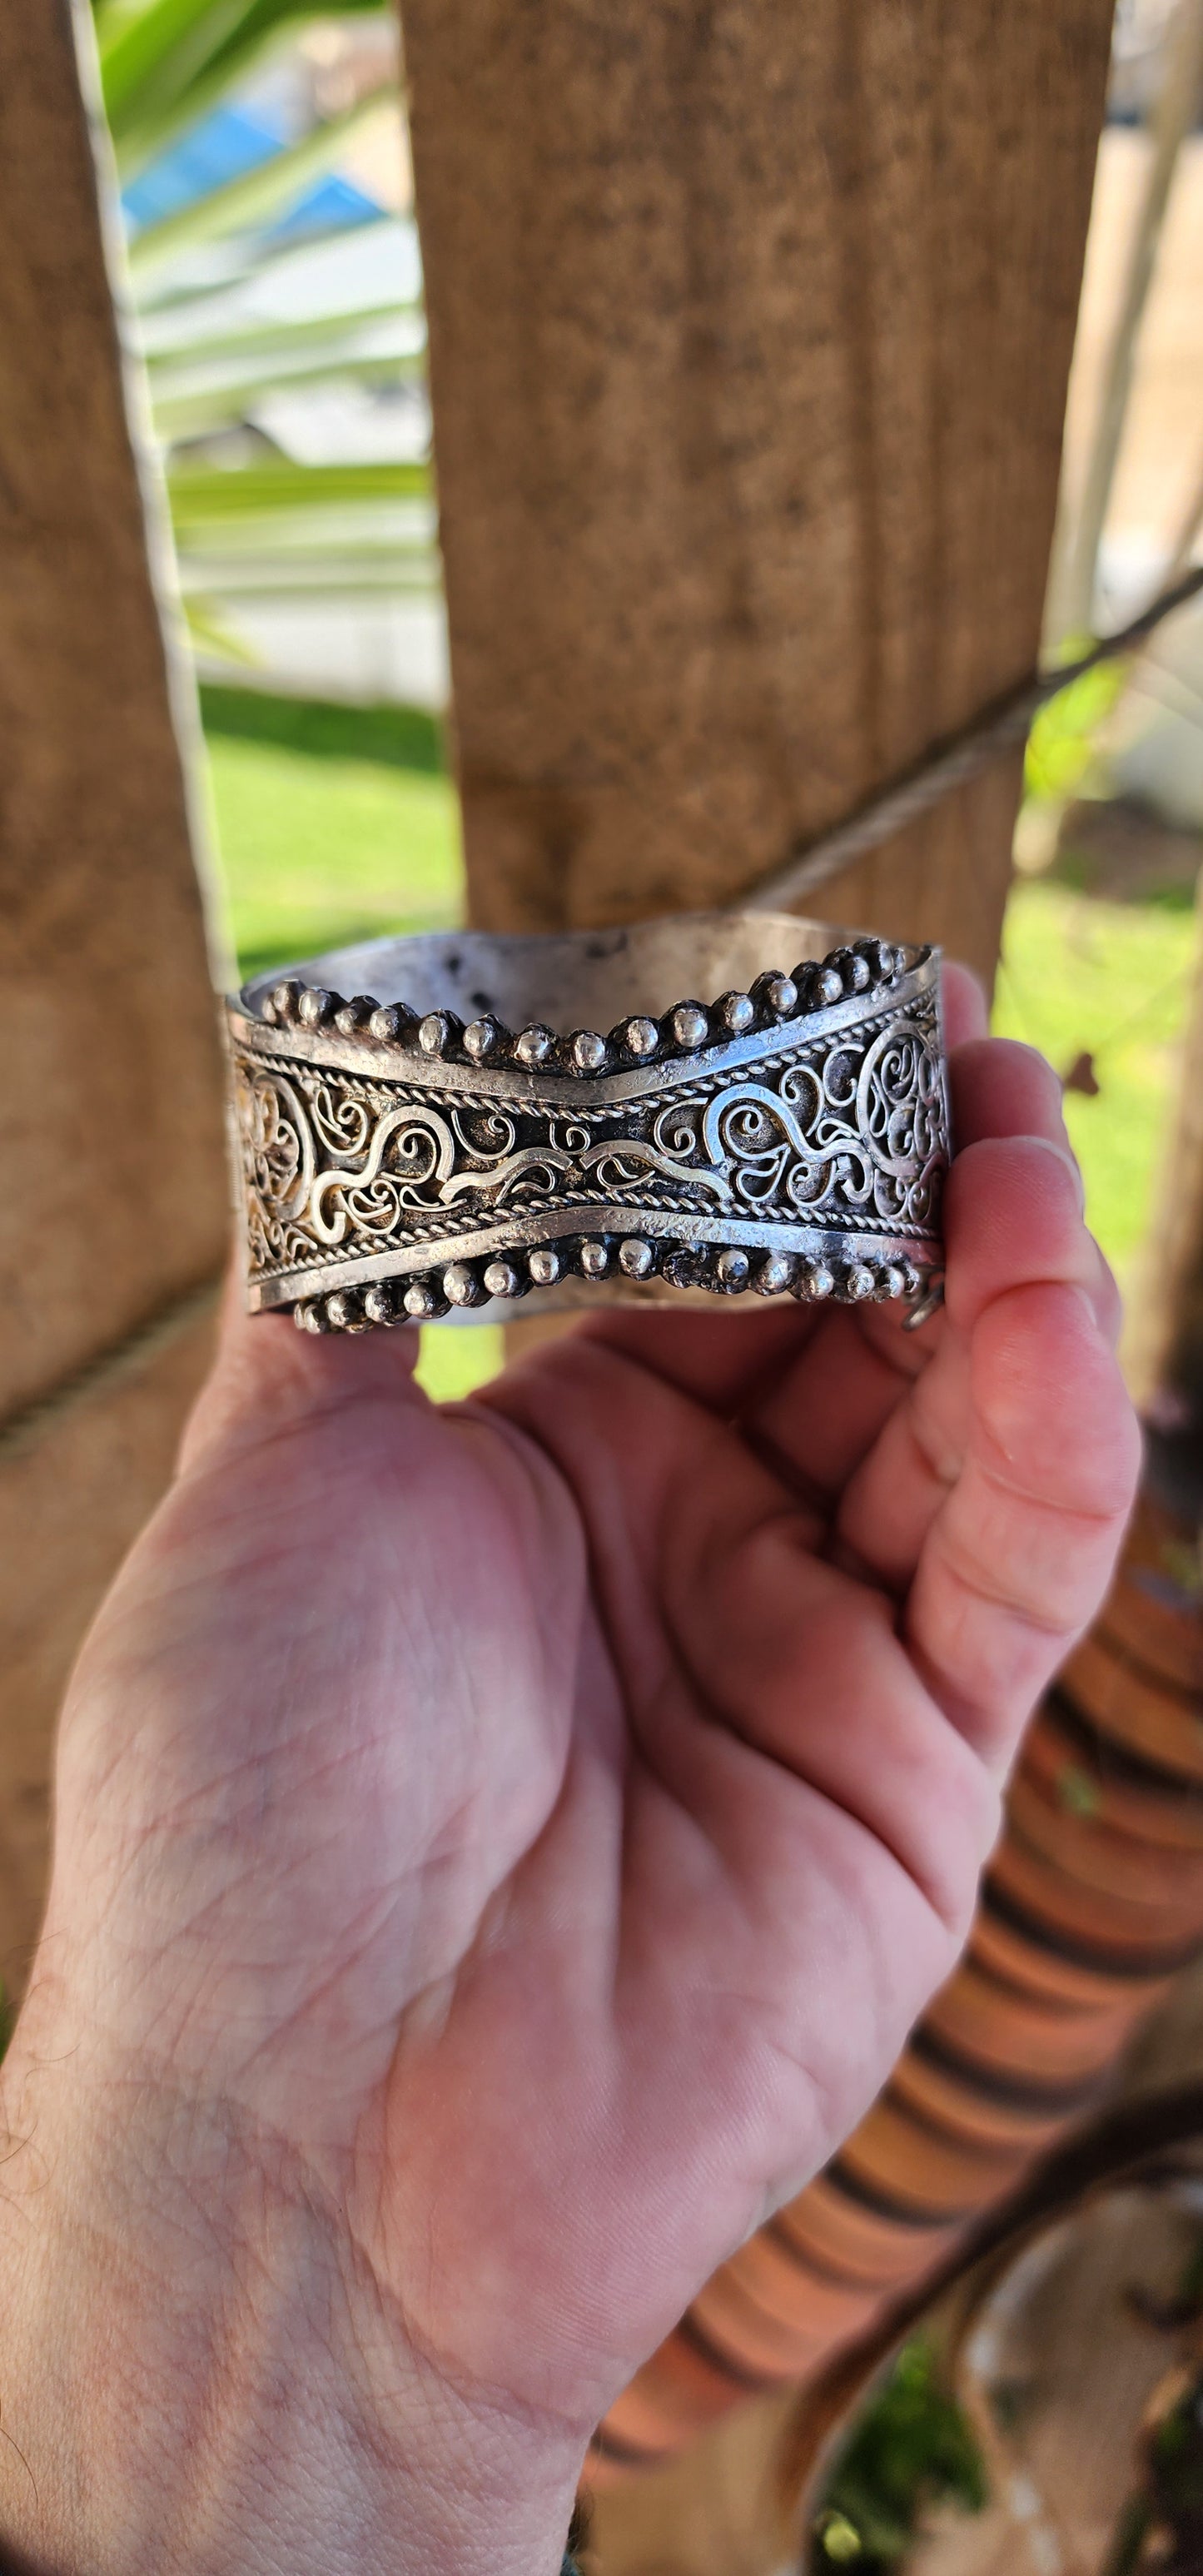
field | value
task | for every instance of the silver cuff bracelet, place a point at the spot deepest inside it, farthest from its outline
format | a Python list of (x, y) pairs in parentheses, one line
[(464, 1132)]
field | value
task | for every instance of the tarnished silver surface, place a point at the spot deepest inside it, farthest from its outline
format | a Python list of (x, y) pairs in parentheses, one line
[(670, 1111)]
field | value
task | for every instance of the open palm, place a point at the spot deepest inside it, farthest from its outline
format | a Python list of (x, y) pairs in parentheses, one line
[(529, 1828)]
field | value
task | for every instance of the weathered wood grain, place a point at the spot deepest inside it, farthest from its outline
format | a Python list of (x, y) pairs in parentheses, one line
[(113, 1185), (750, 329)]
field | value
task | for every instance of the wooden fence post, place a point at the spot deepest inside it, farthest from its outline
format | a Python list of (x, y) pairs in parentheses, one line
[(112, 1164), (749, 336)]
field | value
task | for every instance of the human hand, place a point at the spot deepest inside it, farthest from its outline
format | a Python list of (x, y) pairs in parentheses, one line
[(500, 1851)]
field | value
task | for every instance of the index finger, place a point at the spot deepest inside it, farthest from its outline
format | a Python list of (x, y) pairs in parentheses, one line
[(1020, 1549)]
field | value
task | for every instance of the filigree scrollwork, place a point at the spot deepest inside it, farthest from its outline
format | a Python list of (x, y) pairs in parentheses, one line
[(411, 1146), (842, 1131), (342, 1122), (900, 1113), (278, 1160), (856, 1129), (621, 1163)]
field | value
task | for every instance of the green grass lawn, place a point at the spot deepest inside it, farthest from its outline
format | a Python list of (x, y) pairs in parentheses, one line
[(329, 849), (335, 825), (1112, 980)]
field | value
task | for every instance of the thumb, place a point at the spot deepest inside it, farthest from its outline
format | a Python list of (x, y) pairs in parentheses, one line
[(267, 1377)]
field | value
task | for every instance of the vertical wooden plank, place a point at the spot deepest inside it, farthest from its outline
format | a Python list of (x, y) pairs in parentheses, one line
[(110, 1144), (750, 329)]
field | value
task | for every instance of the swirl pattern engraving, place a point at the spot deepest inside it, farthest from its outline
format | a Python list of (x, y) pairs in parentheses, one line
[(846, 1130)]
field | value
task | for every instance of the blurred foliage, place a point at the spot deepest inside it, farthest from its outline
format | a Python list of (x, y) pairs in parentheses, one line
[(1111, 979), (163, 62), (397, 737), (1173, 2542), (249, 201), (202, 494), (1062, 745), (230, 315), (455, 1359), (275, 530), (1160, 2531), (910, 2451)]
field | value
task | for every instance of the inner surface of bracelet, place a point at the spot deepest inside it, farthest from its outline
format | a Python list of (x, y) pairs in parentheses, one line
[(567, 978)]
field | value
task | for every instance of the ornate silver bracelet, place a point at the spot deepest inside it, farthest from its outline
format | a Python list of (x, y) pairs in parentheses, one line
[(492, 1118)]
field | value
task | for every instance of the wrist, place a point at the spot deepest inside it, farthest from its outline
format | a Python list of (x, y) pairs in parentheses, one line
[(196, 2375)]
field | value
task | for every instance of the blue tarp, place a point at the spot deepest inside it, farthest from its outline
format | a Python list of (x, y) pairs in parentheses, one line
[(329, 205), (227, 143), (223, 146)]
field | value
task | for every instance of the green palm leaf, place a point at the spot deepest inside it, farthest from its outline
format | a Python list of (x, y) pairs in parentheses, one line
[(194, 401), (255, 196), (202, 496), (162, 61), (251, 528)]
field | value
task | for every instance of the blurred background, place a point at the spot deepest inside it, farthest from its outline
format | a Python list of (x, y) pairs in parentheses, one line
[(274, 286)]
